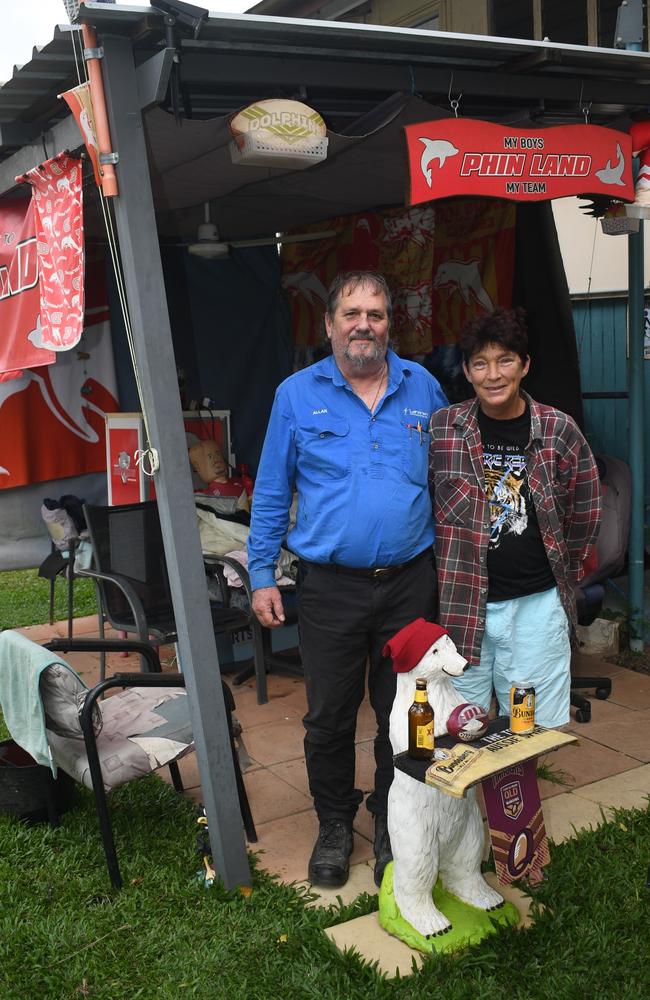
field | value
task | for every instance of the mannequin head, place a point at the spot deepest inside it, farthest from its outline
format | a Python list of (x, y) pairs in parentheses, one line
[(208, 462)]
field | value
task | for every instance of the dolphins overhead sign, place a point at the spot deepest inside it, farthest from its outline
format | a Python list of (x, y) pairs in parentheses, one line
[(462, 156)]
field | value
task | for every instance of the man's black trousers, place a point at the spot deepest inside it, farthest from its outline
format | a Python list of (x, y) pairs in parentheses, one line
[(345, 620)]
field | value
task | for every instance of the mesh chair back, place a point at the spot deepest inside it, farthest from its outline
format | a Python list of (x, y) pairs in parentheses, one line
[(127, 540)]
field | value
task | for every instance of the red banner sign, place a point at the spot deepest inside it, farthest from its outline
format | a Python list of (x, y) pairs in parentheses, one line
[(20, 330), (461, 156)]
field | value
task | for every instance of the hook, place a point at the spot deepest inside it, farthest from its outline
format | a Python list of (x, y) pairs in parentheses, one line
[(454, 102)]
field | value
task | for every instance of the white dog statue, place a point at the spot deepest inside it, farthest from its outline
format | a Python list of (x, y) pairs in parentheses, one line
[(432, 834)]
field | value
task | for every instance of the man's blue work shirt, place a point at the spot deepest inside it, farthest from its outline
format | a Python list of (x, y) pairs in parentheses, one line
[(361, 478)]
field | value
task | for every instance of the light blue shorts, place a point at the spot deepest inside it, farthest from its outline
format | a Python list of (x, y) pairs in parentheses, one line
[(526, 638)]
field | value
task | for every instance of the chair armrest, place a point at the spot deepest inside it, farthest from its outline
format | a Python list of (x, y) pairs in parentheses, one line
[(129, 592), (236, 566), (109, 646)]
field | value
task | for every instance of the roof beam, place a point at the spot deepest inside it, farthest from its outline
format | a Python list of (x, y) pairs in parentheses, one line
[(236, 67), (65, 135)]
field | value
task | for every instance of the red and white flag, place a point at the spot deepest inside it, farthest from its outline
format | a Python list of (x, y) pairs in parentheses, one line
[(57, 198)]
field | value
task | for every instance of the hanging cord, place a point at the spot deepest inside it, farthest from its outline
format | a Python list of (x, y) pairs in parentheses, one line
[(147, 458), (587, 314), (454, 102), (80, 66), (584, 108)]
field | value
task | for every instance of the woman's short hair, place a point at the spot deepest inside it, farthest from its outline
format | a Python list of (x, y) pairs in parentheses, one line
[(505, 327)]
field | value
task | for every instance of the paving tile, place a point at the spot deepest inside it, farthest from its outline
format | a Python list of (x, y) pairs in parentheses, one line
[(392, 956), (271, 798), (251, 714), (629, 736), (584, 666), (586, 761), (623, 791), (373, 944), (631, 689), (565, 812), (294, 772), (285, 845), (601, 711), (275, 742), (39, 633), (83, 626)]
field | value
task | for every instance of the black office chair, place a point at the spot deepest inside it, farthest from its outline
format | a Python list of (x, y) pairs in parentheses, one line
[(130, 576), (264, 658)]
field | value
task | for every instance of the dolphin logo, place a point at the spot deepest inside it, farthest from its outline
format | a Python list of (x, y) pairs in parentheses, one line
[(435, 149), (464, 277), (612, 175)]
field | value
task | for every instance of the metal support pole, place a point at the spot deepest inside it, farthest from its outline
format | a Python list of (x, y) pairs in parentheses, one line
[(140, 256), (636, 549)]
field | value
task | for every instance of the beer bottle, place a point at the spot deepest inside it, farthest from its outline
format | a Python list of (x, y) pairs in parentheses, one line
[(421, 723)]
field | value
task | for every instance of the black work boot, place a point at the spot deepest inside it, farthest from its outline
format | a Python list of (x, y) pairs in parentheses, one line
[(383, 852), (329, 864)]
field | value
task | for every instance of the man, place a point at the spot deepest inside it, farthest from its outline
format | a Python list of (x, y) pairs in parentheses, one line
[(516, 505), (350, 435)]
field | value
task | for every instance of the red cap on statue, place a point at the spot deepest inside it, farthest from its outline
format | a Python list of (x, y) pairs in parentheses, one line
[(408, 646)]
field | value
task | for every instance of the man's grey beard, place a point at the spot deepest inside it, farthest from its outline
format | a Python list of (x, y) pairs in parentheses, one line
[(363, 360)]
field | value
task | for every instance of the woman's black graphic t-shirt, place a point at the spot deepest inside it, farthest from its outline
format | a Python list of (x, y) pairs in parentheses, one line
[(516, 561)]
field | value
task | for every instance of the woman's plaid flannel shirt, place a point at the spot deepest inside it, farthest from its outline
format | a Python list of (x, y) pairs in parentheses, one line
[(565, 488)]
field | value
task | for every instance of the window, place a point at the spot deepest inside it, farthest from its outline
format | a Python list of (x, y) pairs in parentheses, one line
[(565, 22), (513, 18)]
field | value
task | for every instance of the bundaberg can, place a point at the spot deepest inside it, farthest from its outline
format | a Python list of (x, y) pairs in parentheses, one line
[(522, 707)]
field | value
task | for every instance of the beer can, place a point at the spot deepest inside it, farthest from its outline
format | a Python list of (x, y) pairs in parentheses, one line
[(522, 707)]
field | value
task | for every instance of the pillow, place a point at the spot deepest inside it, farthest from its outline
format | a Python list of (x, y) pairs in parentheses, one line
[(63, 694)]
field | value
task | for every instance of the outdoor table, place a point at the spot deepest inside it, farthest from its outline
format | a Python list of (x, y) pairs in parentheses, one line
[(505, 763)]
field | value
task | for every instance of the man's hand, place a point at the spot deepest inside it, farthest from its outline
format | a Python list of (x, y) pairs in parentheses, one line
[(267, 605)]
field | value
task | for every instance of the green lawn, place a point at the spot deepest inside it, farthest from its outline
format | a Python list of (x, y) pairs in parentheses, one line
[(66, 935), (24, 598)]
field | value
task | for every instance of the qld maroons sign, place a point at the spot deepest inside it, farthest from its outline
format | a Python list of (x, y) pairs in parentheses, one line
[(462, 156)]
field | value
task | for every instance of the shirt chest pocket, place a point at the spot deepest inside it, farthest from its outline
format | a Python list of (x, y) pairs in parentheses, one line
[(415, 453), (452, 501), (324, 448)]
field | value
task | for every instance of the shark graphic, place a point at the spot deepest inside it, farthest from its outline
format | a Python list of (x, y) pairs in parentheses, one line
[(62, 385), (435, 149), (613, 175)]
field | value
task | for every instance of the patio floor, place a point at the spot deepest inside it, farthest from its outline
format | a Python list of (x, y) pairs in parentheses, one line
[(608, 767)]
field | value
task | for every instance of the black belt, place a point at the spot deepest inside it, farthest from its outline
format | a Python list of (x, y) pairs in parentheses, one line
[(372, 572)]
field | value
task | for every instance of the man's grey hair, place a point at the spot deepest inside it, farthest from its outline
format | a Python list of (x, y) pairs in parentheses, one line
[(352, 280)]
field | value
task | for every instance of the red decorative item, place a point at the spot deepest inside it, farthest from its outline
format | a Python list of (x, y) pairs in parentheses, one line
[(408, 646), (58, 217), (468, 722), (462, 156), (19, 295)]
